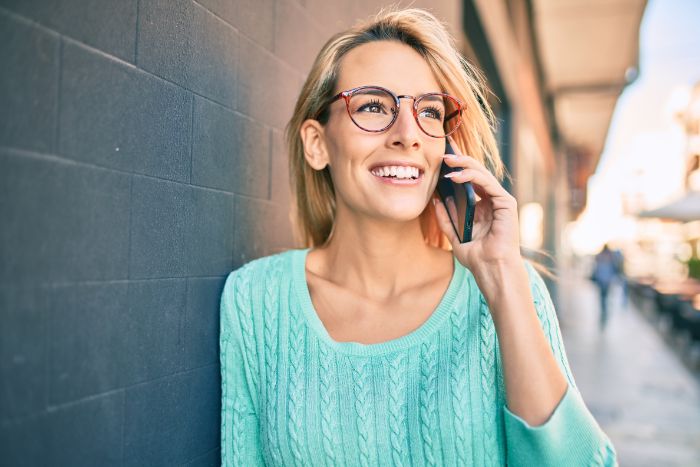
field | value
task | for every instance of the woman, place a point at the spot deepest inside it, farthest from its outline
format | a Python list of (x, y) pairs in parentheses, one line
[(377, 344)]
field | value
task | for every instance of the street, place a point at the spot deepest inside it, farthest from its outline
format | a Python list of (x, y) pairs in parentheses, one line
[(633, 382)]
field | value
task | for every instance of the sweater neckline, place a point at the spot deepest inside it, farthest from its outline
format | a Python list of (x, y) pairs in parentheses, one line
[(429, 326)]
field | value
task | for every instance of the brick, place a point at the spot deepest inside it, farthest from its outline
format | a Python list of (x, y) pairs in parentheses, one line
[(262, 228), (252, 164), (230, 152), (116, 116), (209, 236), (86, 340), (173, 420), (84, 434), (331, 17), (23, 314), (279, 172), (183, 42), (297, 38), (28, 92), (173, 231), (202, 321), (267, 88), (103, 24), (152, 339), (210, 459), (160, 214), (215, 145), (253, 18), (107, 336), (61, 221), (88, 433)]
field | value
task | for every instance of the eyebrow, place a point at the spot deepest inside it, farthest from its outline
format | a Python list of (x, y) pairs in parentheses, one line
[(431, 98), (434, 98)]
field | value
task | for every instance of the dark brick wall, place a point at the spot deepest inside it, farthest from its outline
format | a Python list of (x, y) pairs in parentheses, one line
[(141, 159)]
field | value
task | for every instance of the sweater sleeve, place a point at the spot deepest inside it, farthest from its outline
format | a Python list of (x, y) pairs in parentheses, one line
[(571, 436), (240, 438)]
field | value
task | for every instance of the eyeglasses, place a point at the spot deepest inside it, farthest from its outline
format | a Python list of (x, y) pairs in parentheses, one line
[(374, 109)]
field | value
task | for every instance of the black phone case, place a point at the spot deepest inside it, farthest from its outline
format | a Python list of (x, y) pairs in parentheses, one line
[(447, 187)]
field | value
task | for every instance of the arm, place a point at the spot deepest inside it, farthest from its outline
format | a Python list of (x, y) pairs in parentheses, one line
[(534, 382), (545, 423), (240, 441)]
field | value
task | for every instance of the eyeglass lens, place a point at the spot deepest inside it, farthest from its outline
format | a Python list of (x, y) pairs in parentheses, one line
[(374, 109)]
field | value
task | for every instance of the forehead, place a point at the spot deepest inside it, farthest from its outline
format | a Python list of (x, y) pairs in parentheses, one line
[(390, 64)]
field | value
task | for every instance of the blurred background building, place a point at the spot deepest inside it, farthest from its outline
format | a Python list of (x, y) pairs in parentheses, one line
[(142, 159)]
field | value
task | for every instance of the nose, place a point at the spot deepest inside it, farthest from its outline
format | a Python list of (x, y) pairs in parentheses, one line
[(405, 131)]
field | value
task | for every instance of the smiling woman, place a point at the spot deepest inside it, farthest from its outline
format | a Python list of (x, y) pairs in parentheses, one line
[(385, 340)]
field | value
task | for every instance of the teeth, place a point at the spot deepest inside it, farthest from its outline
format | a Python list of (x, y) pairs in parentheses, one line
[(397, 171)]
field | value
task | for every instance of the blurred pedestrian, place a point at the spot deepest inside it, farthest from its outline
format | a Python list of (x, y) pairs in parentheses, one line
[(620, 273), (603, 274)]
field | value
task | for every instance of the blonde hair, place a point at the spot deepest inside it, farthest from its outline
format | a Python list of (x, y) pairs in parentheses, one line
[(313, 209)]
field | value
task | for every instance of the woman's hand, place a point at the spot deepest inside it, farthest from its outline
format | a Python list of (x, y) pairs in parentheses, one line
[(495, 239)]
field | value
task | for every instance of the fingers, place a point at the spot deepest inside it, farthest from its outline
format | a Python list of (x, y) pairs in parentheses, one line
[(462, 160), (484, 183)]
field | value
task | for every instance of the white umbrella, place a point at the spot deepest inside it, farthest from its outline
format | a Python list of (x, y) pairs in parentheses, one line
[(685, 209)]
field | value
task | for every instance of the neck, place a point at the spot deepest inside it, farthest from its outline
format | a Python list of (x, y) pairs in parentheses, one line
[(376, 259)]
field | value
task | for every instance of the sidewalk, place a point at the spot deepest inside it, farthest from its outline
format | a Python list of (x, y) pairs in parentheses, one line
[(643, 397)]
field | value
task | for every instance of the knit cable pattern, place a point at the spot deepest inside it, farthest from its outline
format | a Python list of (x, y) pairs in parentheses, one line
[(487, 334), (238, 433), (428, 403), (459, 379), (245, 320), (397, 401), (548, 317), (363, 418), (327, 393), (271, 318), (295, 383), (605, 456)]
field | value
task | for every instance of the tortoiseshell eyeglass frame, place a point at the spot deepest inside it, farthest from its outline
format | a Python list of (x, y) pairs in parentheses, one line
[(346, 95)]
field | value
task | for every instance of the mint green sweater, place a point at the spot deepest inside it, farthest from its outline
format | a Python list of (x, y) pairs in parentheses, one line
[(291, 395)]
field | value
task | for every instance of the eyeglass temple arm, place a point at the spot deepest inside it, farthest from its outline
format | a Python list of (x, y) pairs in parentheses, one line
[(452, 115), (329, 102)]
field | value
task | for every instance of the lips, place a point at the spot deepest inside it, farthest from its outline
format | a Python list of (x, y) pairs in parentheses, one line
[(398, 181), (397, 163)]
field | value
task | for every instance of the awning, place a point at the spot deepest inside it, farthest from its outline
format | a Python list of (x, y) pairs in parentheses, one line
[(686, 209)]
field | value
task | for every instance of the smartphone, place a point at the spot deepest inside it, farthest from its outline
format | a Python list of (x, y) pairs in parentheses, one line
[(458, 198)]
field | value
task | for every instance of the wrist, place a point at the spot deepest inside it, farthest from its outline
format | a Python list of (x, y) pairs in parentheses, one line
[(499, 280)]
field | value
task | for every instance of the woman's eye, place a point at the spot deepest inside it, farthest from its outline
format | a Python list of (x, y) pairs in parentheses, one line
[(372, 108), (430, 112)]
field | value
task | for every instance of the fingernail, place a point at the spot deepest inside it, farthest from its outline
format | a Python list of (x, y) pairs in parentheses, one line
[(450, 156), (434, 201), (451, 174)]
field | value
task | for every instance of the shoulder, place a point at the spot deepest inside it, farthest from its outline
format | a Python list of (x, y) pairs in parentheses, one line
[(260, 270), (249, 290)]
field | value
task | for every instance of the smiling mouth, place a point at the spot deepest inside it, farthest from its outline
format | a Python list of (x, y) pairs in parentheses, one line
[(402, 173), (399, 180)]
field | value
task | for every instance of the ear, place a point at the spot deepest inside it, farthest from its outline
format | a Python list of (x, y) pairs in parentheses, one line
[(315, 151)]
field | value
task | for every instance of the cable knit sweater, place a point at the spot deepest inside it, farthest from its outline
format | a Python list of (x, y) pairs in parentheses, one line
[(293, 396)]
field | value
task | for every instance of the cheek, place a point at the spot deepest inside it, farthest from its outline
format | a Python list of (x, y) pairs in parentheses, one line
[(351, 151)]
